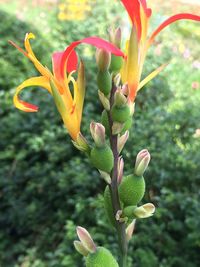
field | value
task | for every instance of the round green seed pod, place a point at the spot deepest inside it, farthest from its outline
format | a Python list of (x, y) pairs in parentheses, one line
[(102, 158), (116, 63), (105, 121), (120, 114), (102, 257), (108, 206), (131, 190), (127, 125), (104, 81)]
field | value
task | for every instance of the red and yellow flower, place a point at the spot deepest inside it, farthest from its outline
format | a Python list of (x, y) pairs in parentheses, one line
[(70, 105), (139, 42)]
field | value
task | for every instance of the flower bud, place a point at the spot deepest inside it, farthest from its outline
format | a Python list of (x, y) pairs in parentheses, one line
[(98, 133), (86, 239), (125, 89), (105, 176), (120, 100), (102, 158), (131, 190), (101, 258), (117, 80), (80, 248), (116, 63), (129, 230), (145, 211), (122, 141), (103, 59), (115, 36), (120, 169), (142, 162), (120, 114), (104, 81), (104, 100)]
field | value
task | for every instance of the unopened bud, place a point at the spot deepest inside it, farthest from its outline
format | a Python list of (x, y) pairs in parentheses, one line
[(129, 230), (142, 162), (120, 170), (104, 100), (119, 100), (103, 59), (122, 141), (80, 248), (115, 36), (105, 176), (145, 211), (104, 81), (86, 239), (98, 133), (125, 89), (117, 80)]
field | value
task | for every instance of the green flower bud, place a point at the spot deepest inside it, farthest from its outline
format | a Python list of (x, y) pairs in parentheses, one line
[(132, 189), (108, 206), (101, 258), (116, 63), (104, 81), (145, 211), (103, 59), (120, 114), (105, 121), (102, 158)]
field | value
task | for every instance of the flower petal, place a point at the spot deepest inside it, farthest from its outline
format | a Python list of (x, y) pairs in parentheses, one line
[(133, 9), (151, 76), (34, 81), (171, 20)]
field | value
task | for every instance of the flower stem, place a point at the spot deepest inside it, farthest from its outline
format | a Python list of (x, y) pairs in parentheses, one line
[(120, 226)]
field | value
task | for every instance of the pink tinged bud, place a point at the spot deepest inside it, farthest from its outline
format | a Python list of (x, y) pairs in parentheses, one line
[(81, 143), (145, 211), (125, 89), (104, 100), (80, 248), (117, 80), (103, 59), (86, 239), (118, 37), (142, 162), (129, 230), (98, 133), (120, 170), (122, 141), (105, 176)]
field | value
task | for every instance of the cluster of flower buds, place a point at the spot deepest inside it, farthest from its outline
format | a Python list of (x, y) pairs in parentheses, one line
[(94, 256)]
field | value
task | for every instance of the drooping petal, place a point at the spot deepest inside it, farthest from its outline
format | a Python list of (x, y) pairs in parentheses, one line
[(151, 76), (172, 20), (94, 41), (34, 81)]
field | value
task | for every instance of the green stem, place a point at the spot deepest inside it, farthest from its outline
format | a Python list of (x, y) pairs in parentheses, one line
[(120, 226)]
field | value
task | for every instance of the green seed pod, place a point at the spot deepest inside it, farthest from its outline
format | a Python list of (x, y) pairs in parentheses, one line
[(104, 81), (102, 158), (116, 63), (108, 206), (120, 114), (132, 189), (102, 257), (127, 125), (105, 121)]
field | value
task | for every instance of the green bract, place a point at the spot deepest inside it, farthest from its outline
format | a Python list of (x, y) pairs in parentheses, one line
[(108, 206), (101, 258), (104, 81), (132, 189), (102, 158), (116, 63)]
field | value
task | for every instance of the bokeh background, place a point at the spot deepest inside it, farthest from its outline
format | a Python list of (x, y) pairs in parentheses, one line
[(47, 187)]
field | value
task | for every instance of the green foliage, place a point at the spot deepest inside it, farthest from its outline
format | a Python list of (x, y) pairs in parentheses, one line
[(47, 187)]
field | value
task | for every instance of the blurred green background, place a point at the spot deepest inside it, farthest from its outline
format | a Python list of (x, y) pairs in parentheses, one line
[(47, 187)]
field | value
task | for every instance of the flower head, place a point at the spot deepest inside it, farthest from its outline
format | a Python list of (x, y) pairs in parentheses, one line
[(139, 42), (57, 82)]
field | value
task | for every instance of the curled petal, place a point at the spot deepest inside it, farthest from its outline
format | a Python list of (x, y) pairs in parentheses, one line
[(172, 20), (151, 76), (34, 81)]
